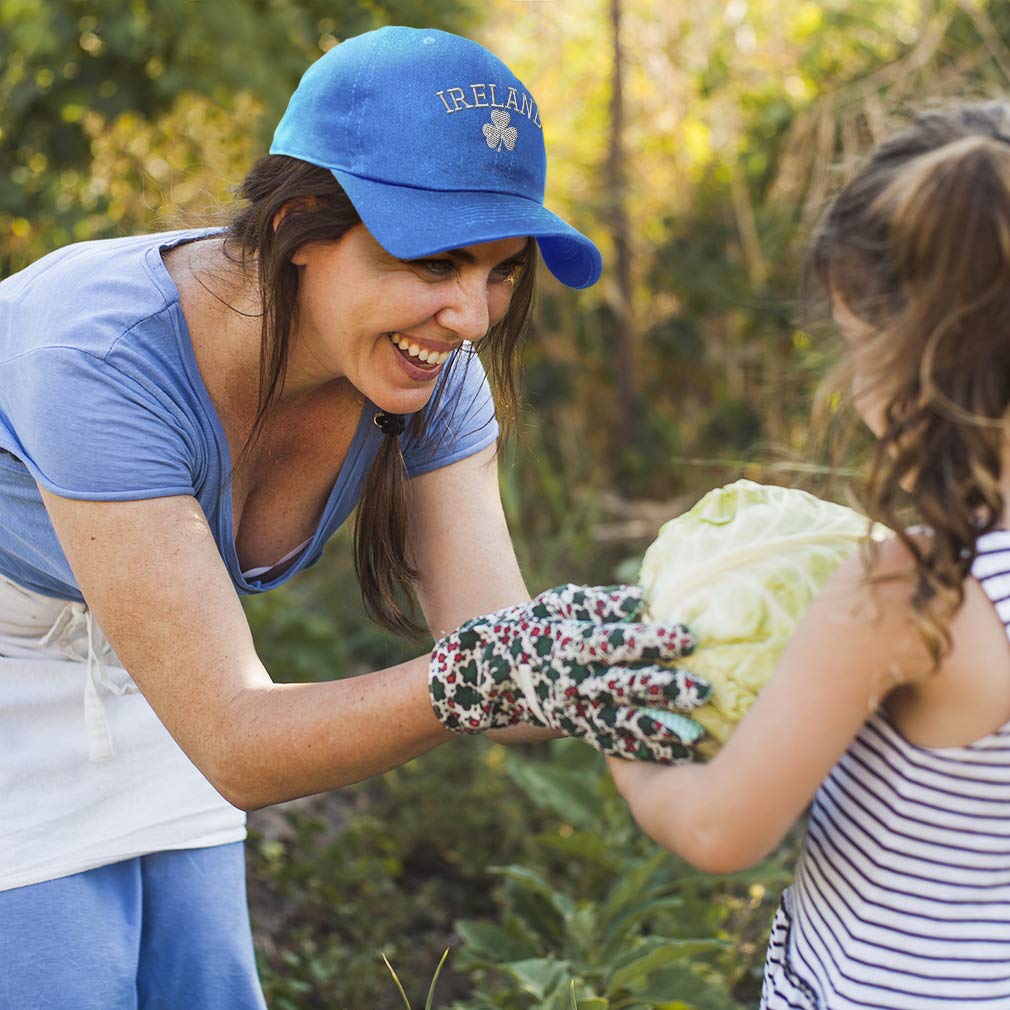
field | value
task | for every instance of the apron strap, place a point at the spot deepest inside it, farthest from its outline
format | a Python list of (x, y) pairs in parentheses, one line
[(66, 632)]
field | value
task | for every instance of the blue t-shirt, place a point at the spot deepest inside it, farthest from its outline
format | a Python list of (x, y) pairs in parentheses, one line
[(101, 399)]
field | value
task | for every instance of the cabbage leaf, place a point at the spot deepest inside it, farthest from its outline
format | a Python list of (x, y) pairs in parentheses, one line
[(739, 569)]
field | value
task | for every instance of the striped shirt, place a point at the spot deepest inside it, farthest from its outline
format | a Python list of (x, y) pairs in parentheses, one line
[(902, 893)]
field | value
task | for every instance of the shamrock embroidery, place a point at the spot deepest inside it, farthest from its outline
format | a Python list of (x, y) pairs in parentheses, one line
[(498, 131)]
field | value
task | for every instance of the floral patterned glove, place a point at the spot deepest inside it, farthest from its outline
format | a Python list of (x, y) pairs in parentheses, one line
[(570, 660)]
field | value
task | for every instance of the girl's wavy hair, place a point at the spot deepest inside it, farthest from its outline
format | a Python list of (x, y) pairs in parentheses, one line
[(318, 210), (917, 246)]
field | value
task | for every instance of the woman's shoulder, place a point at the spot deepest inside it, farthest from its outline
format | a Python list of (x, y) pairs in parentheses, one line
[(97, 395), (87, 295)]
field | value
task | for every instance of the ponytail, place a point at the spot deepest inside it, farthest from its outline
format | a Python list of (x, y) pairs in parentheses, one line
[(386, 574), (917, 246)]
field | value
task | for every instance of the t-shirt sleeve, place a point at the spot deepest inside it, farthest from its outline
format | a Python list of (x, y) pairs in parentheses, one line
[(461, 419), (86, 429)]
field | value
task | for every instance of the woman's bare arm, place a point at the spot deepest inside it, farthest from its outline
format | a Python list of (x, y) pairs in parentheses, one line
[(461, 545), (151, 572)]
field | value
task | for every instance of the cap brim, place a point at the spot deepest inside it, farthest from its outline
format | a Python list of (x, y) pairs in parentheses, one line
[(409, 223)]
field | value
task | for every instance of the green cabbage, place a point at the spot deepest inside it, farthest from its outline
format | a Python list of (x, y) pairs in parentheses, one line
[(739, 569)]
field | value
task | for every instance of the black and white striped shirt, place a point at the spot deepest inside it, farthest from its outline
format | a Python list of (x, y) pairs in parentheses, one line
[(902, 893)]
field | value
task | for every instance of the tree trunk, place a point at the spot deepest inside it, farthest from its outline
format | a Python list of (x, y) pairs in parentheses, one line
[(622, 288)]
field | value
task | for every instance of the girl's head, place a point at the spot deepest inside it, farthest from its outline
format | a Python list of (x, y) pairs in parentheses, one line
[(407, 163), (914, 257)]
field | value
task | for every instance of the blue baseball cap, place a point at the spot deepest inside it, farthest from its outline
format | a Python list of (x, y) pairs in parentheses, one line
[(437, 144)]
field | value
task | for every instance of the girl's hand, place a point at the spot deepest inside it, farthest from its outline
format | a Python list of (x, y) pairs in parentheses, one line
[(633, 777), (570, 660)]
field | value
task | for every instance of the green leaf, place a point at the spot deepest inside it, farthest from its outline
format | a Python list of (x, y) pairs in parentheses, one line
[(628, 891), (570, 794), (658, 959), (581, 926), (397, 981), (434, 980), (539, 976), (617, 933), (530, 880), (565, 997), (583, 847), (573, 755), (584, 998), (534, 916), (492, 944), (684, 984)]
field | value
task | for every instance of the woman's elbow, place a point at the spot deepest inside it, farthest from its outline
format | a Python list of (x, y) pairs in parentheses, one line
[(229, 774), (232, 787), (246, 800), (238, 762)]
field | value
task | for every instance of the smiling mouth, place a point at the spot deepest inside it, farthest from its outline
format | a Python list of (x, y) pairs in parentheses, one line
[(419, 356)]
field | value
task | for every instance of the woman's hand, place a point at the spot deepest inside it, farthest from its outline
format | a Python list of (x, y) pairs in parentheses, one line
[(571, 661)]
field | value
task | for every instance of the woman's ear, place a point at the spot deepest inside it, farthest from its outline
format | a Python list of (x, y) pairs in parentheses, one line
[(300, 203), (280, 215), (304, 203)]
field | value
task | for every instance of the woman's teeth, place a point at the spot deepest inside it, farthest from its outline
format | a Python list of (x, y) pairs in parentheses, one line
[(432, 359)]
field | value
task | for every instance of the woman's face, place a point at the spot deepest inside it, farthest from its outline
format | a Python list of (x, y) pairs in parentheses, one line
[(362, 312)]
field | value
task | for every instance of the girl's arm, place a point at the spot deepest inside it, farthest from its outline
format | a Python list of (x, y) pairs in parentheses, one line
[(461, 545), (850, 648)]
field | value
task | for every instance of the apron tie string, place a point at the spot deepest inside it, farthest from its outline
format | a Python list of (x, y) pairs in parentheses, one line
[(66, 632)]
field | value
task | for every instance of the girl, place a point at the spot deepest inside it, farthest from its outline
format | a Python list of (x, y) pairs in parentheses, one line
[(188, 417), (890, 707)]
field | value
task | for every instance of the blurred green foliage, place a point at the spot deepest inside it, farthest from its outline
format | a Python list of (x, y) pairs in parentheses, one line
[(597, 903), (742, 117), (384, 866), (73, 70)]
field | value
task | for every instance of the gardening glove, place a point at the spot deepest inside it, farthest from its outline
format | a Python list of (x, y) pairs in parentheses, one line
[(571, 661)]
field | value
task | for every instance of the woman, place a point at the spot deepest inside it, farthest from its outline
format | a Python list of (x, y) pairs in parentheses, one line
[(187, 418)]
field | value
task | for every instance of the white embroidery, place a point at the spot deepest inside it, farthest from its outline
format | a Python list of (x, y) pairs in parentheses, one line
[(454, 100), (498, 131)]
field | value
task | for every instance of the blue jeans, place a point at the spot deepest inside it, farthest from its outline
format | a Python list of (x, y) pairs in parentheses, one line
[(165, 931)]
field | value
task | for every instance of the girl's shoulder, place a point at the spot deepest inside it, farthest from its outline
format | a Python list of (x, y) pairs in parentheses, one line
[(968, 696), (867, 604)]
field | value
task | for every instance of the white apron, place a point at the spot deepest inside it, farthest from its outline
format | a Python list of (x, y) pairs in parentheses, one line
[(88, 774)]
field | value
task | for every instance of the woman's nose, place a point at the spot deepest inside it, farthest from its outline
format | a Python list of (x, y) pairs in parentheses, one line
[(466, 312)]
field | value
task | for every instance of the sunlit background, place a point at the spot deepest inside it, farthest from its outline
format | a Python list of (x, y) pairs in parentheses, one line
[(695, 143)]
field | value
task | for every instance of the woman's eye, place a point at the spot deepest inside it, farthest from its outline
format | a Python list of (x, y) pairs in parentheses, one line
[(437, 268), (506, 273)]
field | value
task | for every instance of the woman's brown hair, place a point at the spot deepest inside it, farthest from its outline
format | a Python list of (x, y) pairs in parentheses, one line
[(316, 209), (917, 247)]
